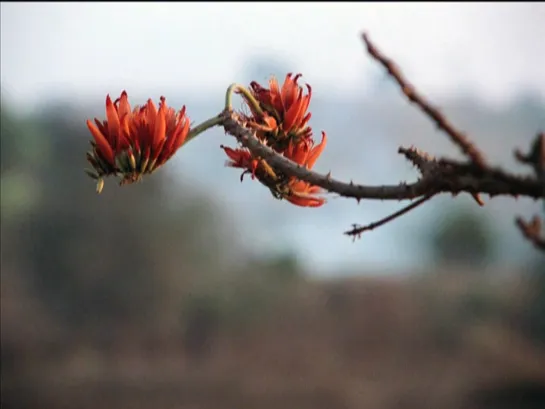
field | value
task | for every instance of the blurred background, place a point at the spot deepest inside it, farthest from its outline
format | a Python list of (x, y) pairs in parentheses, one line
[(193, 290)]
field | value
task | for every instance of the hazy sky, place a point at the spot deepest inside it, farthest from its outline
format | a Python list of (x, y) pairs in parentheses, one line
[(493, 49)]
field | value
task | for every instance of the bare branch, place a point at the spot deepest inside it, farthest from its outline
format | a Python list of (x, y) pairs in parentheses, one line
[(358, 230), (448, 177), (531, 230), (413, 96), (441, 175), (423, 161), (536, 159), (536, 156), (278, 162)]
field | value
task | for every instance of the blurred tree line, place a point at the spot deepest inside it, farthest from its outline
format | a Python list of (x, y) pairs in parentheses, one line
[(155, 259), (159, 265), (464, 241)]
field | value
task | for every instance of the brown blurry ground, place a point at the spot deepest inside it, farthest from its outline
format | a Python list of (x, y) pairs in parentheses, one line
[(438, 342)]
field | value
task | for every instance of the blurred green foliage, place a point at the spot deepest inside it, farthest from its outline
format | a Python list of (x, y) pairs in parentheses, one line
[(462, 238), (133, 257)]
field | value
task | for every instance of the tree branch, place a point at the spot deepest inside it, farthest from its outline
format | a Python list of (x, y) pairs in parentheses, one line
[(437, 175), (536, 159), (443, 177), (358, 230), (413, 96), (531, 230)]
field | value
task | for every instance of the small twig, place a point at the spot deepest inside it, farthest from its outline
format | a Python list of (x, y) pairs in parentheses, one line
[(427, 165), (536, 155), (536, 159), (425, 162), (410, 92), (531, 230), (358, 230)]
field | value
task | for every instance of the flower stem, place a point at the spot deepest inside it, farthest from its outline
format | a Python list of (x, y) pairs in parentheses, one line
[(247, 94), (203, 126), (218, 119)]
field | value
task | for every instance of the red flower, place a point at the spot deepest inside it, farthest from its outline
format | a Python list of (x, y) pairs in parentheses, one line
[(241, 158), (132, 143), (284, 109), (301, 193), (295, 191)]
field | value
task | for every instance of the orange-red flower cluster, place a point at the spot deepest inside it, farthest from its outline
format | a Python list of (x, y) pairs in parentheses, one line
[(283, 109), (130, 143), (281, 122)]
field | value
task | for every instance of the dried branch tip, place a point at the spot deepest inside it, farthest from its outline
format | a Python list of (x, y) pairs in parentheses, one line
[(413, 96), (532, 231)]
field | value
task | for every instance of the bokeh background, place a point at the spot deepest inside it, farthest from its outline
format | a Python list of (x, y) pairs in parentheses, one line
[(193, 290)]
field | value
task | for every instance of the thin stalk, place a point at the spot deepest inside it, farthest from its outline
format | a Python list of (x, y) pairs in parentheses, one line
[(247, 94), (203, 126)]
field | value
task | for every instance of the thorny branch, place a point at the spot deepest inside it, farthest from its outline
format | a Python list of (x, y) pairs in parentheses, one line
[(443, 177), (536, 159), (358, 230), (437, 175), (413, 96)]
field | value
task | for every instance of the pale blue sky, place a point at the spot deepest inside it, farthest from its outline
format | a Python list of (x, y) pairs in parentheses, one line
[(493, 49)]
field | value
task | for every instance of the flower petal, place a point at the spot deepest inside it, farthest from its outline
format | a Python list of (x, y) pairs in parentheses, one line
[(124, 132), (160, 127), (124, 106), (240, 157), (316, 152), (149, 115), (113, 122), (298, 151), (290, 90), (178, 138), (275, 97), (306, 201), (292, 116), (102, 144)]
